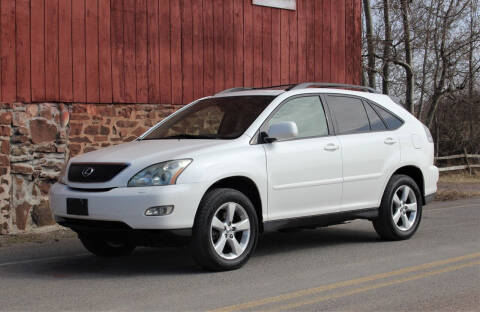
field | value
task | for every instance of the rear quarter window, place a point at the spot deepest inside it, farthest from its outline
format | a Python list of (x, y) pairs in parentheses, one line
[(392, 121), (376, 123)]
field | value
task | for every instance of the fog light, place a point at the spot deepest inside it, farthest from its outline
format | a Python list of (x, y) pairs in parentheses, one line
[(159, 211)]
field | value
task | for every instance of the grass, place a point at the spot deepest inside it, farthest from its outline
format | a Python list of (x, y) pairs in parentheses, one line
[(460, 177)]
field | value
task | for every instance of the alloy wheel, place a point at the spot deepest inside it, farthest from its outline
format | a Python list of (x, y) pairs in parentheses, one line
[(230, 230), (404, 208)]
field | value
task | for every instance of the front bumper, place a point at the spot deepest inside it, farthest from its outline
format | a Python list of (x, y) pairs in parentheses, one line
[(128, 205)]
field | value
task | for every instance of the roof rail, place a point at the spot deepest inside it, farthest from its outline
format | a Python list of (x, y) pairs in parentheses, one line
[(286, 87), (330, 85), (305, 85), (233, 90)]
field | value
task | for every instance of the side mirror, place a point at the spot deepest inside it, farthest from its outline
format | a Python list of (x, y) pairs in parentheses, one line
[(281, 131)]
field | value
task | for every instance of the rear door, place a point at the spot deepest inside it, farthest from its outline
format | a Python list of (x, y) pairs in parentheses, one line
[(305, 173), (369, 150)]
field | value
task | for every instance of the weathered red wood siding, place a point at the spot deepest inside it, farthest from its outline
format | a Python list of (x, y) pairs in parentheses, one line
[(170, 51)]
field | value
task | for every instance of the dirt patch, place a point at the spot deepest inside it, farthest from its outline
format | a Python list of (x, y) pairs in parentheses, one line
[(39, 237), (458, 186), (444, 195)]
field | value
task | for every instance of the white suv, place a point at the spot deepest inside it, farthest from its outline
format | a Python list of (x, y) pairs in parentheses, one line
[(226, 168)]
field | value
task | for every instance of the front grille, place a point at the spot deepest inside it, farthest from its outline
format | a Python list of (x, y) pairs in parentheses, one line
[(91, 172), (90, 190)]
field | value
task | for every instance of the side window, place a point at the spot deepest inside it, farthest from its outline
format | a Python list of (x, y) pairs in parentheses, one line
[(349, 114), (392, 121), (376, 124), (307, 112)]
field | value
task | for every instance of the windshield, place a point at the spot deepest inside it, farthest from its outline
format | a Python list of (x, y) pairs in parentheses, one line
[(213, 118)]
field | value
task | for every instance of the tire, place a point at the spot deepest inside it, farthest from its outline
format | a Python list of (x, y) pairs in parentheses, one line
[(400, 213), (237, 232), (103, 248)]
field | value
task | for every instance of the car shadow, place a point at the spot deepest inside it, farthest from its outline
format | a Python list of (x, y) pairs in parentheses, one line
[(178, 261), (291, 242)]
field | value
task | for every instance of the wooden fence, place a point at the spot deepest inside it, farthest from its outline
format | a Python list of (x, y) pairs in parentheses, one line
[(468, 165)]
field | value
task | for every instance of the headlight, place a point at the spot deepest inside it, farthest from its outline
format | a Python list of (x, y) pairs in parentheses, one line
[(165, 173)]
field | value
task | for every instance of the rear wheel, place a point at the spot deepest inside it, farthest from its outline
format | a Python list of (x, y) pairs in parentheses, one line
[(225, 230), (104, 248), (401, 209)]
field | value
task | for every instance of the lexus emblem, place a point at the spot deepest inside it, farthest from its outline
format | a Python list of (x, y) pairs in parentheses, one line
[(86, 172)]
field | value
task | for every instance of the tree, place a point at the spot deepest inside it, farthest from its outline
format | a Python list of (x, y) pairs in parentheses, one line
[(471, 68), (426, 51), (370, 44), (387, 47), (451, 47), (408, 56), (429, 54)]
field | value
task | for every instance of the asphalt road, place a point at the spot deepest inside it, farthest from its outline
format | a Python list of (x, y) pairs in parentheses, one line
[(340, 268)]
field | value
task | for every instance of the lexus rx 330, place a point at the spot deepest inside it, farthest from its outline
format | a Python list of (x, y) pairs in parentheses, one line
[(226, 168)]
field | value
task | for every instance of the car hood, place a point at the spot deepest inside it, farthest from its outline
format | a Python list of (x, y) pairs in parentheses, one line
[(141, 154), (147, 151)]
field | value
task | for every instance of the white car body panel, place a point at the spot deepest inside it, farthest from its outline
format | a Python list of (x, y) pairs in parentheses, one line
[(298, 172), (128, 204), (366, 161), (294, 179)]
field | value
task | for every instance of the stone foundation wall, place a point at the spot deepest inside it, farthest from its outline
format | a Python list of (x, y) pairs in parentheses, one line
[(37, 139)]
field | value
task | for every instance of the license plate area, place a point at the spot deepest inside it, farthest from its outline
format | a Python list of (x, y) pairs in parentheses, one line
[(77, 206)]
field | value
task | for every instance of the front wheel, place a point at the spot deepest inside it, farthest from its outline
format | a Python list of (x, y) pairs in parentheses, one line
[(401, 209), (225, 230)]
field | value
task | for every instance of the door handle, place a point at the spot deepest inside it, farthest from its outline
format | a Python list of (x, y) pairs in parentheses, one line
[(331, 147), (390, 141)]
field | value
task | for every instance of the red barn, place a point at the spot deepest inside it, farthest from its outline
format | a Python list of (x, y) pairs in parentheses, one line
[(77, 75)]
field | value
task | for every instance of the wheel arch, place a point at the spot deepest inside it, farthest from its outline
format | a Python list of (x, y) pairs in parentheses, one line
[(416, 174), (246, 186)]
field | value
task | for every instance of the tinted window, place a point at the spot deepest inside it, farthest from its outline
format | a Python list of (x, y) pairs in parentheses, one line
[(213, 118), (392, 121), (307, 112), (376, 124), (349, 114)]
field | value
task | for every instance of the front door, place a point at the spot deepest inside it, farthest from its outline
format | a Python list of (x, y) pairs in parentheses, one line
[(305, 173)]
